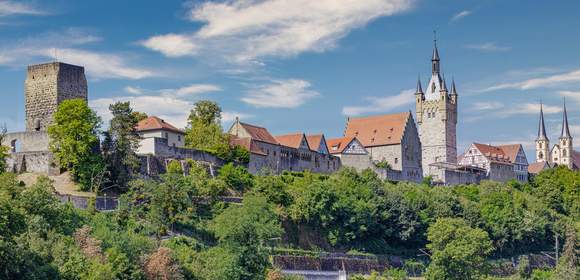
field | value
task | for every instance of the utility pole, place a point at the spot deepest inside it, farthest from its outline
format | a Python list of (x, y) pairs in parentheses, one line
[(557, 247)]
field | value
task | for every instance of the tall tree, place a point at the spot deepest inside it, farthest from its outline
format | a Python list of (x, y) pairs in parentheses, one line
[(74, 140), (120, 144), (458, 250), (3, 150), (204, 131)]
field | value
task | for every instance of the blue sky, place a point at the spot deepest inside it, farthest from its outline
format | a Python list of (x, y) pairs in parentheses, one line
[(306, 65)]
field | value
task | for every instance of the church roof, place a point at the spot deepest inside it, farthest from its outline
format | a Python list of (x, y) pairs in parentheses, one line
[(156, 123), (541, 126), (290, 140), (576, 160), (378, 130), (565, 129)]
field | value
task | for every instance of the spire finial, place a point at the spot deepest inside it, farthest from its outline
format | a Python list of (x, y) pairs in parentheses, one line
[(435, 58), (541, 125), (419, 87), (565, 128)]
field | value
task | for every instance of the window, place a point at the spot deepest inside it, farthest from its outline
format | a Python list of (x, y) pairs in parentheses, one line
[(178, 137), (396, 160), (563, 153), (166, 135)]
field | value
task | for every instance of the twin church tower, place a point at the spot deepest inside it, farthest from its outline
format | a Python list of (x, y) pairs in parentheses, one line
[(563, 152)]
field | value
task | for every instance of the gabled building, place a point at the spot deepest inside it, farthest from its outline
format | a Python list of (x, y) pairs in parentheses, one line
[(317, 143), (351, 152), (392, 140), (290, 152), (154, 127), (502, 163)]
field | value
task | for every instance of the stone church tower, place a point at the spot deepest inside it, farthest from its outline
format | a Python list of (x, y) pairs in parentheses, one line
[(437, 118), (566, 145), (46, 86), (542, 142)]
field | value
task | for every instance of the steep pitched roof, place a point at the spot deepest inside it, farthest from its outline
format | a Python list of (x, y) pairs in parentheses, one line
[(291, 140), (337, 145), (511, 151), (537, 167), (576, 159), (378, 130), (565, 128), (493, 153), (541, 126), (259, 133), (156, 123), (314, 141)]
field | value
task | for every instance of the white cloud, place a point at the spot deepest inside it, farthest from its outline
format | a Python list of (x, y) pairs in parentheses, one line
[(171, 45), (486, 106), (461, 15), (228, 117), (488, 47), (574, 95), (549, 81), (381, 104), (172, 105), (280, 94), (133, 90), (246, 30), (8, 8), (528, 109), (193, 89), (63, 46)]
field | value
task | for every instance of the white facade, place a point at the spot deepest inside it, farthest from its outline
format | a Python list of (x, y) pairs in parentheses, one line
[(146, 144)]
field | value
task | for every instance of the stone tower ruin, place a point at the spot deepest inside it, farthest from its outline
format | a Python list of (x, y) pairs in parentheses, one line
[(46, 86)]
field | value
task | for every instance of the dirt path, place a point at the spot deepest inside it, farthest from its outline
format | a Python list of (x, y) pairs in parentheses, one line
[(62, 183)]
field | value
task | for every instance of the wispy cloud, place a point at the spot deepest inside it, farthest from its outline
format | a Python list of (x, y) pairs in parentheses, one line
[(574, 95), (65, 46), (243, 31), (487, 106), (548, 81), (461, 15), (172, 105), (488, 47), (289, 93), (9, 8), (381, 104)]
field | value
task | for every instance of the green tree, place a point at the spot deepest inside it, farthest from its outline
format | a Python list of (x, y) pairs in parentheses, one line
[(204, 131), (3, 150), (458, 250), (74, 141), (120, 145)]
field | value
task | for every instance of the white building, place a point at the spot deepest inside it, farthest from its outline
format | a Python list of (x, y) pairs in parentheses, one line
[(502, 163), (154, 127)]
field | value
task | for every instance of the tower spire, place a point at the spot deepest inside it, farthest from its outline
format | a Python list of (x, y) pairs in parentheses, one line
[(419, 88), (453, 89), (541, 125), (565, 129), (435, 58)]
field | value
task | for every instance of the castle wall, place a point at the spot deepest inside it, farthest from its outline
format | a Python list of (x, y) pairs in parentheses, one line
[(34, 162)]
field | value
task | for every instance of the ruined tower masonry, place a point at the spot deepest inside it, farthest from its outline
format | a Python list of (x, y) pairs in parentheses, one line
[(46, 86), (437, 119)]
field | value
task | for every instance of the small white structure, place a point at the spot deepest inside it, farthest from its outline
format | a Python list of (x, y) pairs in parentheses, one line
[(155, 127)]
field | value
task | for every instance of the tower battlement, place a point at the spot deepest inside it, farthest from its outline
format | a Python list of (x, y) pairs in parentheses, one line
[(46, 86)]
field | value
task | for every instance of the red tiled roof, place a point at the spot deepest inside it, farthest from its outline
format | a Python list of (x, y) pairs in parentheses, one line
[(537, 167), (378, 130), (247, 143), (493, 153), (314, 141), (290, 140), (511, 151), (339, 143), (156, 123), (259, 133)]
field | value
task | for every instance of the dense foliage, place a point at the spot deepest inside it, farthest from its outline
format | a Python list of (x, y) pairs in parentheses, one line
[(74, 140), (176, 227)]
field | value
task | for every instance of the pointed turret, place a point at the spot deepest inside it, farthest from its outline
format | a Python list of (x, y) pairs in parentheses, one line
[(565, 128), (435, 59), (419, 88), (541, 125), (443, 84), (453, 89)]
